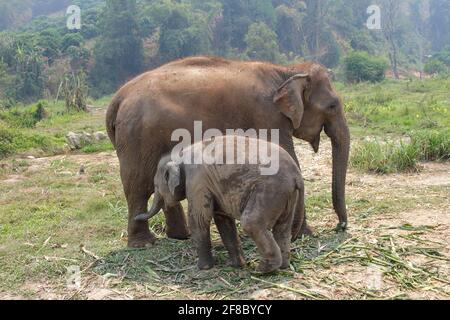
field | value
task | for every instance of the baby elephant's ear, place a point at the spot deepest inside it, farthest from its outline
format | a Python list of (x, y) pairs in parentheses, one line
[(174, 176)]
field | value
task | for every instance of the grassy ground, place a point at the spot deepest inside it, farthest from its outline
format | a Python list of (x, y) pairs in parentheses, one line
[(20, 133), (52, 218)]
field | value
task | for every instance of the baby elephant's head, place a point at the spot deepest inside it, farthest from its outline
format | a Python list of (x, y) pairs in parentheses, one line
[(169, 188)]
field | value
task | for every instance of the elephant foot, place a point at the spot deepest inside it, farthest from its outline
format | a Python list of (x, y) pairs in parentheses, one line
[(285, 265), (206, 264), (178, 233), (305, 230), (145, 240), (269, 266), (341, 227), (237, 263)]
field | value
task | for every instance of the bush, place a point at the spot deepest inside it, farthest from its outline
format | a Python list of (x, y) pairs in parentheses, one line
[(389, 157), (24, 118), (13, 141), (384, 158), (359, 67), (432, 145), (6, 142), (262, 43), (71, 40), (435, 67)]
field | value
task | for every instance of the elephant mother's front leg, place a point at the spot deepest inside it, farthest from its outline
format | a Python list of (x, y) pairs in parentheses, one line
[(299, 226), (176, 224)]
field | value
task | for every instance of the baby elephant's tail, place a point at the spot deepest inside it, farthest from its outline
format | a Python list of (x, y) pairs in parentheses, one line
[(296, 205)]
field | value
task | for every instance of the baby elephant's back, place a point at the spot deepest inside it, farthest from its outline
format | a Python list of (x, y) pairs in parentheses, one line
[(244, 159)]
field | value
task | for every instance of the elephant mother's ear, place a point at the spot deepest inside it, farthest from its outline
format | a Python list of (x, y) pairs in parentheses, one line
[(289, 98), (173, 176)]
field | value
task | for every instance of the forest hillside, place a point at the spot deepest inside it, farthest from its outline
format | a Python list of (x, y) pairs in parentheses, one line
[(118, 39)]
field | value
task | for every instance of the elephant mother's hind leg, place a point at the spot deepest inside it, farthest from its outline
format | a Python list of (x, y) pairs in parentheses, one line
[(137, 192)]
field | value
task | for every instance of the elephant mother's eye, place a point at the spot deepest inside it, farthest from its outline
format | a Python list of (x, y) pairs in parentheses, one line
[(333, 106), (166, 175)]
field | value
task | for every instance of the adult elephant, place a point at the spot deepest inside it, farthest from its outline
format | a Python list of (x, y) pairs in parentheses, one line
[(298, 100)]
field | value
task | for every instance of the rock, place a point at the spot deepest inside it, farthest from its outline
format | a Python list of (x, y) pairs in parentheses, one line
[(100, 136), (73, 140), (79, 140), (87, 137)]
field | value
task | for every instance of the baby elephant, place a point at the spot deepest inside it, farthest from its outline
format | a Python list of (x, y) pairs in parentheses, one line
[(217, 188)]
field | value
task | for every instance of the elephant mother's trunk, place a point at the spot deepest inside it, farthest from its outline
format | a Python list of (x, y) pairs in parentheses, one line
[(340, 140), (158, 204)]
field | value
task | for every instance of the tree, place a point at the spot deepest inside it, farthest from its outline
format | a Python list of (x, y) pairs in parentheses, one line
[(75, 91), (71, 40), (183, 33), (119, 51), (314, 23), (440, 23), (359, 66), (29, 69), (79, 58), (390, 29), (238, 15), (289, 29), (262, 43), (435, 67), (50, 41)]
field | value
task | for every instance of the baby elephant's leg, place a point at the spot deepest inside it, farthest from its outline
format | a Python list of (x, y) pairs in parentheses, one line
[(271, 259), (200, 216), (282, 235), (255, 222), (283, 227), (228, 232)]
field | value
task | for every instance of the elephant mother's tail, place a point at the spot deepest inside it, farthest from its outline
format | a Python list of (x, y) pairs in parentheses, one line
[(111, 116)]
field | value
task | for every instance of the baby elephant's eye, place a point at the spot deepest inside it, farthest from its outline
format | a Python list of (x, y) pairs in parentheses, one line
[(166, 175)]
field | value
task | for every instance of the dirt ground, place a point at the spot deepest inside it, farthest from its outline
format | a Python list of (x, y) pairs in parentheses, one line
[(397, 245)]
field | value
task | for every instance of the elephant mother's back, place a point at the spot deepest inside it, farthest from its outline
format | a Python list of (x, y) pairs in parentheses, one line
[(194, 89)]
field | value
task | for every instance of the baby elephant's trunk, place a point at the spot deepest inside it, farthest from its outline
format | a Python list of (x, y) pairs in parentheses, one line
[(158, 204)]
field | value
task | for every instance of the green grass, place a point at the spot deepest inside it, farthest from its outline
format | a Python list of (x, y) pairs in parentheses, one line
[(432, 145), (383, 158), (397, 107), (26, 129), (391, 157), (101, 146)]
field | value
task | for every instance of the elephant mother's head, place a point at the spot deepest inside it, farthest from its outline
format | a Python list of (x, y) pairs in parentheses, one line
[(321, 109)]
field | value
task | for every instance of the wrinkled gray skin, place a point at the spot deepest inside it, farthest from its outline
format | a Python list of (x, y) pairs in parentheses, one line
[(265, 204)]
